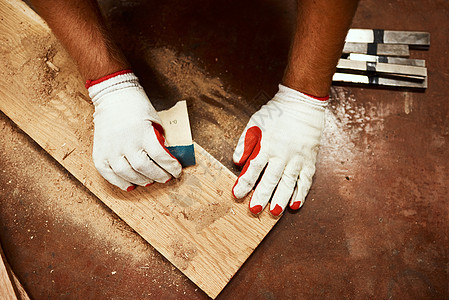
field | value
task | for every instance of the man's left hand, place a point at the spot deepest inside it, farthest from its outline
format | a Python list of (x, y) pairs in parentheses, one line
[(281, 141)]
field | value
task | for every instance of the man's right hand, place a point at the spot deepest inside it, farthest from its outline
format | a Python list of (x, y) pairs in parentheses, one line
[(128, 145)]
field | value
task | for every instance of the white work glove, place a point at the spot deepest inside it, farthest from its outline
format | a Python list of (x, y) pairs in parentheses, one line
[(128, 145), (283, 137)]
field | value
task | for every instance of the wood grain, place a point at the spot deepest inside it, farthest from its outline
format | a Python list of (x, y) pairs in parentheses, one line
[(6, 286), (21, 293), (194, 222), (19, 289)]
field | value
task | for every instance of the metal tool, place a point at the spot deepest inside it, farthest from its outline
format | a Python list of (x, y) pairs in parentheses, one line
[(380, 36), (377, 80), (377, 49), (412, 72), (388, 59), (380, 57)]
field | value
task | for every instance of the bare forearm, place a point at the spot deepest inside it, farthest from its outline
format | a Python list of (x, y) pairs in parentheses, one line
[(79, 26), (321, 28)]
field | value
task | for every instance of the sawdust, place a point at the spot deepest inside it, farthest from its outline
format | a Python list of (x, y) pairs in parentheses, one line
[(48, 69), (205, 215), (215, 113), (60, 200), (184, 192), (360, 120), (354, 115), (191, 202), (183, 252), (351, 124), (39, 70), (45, 205)]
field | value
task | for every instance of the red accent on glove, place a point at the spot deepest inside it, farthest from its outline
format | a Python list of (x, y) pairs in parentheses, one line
[(251, 146), (256, 209), (251, 149), (159, 131), (295, 205), (276, 211), (318, 98), (90, 83)]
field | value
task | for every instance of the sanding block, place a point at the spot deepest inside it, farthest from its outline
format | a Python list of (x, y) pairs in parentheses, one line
[(178, 137)]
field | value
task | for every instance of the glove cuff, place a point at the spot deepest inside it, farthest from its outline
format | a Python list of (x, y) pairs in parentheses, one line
[(90, 83), (111, 83), (291, 94)]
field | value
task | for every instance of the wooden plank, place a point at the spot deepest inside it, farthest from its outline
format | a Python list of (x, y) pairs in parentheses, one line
[(377, 49), (19, 289), (21, 293), (388, 37), (6, 286), (194, 222)]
